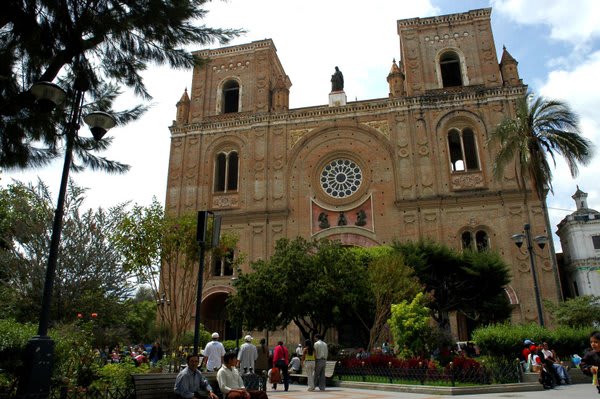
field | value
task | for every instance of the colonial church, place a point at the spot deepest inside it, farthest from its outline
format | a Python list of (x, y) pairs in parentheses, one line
[(415, 164)]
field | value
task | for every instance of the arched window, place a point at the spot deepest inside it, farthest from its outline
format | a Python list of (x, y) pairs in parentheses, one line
[(477, 240), (231, 97), (463, 150), (481, 239), (226, 172), (450, 69)]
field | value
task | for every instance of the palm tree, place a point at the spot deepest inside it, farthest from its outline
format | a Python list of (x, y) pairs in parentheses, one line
[(541, 129)]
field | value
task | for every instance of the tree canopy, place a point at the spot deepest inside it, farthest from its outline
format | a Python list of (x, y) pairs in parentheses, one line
[(105, 44), (89, 277), (469, 282), (314, 284), (582, 311)]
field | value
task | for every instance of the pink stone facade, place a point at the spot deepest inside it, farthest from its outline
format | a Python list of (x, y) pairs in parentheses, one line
[(408, 188)]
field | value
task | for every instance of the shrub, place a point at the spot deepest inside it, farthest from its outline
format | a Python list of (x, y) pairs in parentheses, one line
[(13, 338), (506, 340), (117, 375)]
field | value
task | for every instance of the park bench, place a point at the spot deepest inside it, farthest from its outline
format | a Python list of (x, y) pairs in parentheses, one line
[(160, 385), (329, 371)]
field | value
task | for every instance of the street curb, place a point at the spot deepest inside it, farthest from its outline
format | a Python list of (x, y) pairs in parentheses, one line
[(433, 390)]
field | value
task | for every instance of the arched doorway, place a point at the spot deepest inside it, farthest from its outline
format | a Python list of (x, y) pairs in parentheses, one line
[(215, 317)]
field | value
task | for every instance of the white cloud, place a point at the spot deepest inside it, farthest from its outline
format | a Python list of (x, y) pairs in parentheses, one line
[(574, 21)]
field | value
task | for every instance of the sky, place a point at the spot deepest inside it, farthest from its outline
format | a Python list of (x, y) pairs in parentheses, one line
[(555, 42)]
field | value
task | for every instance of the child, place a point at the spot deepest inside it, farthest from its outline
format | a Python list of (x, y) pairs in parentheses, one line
[(274, 376), (590, 362)]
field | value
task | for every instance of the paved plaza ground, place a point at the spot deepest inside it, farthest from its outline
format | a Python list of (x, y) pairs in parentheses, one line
[(576, 391)]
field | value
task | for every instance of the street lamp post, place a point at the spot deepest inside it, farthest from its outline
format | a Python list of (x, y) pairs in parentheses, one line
[(541, 242), (201, 231), (39, 352)]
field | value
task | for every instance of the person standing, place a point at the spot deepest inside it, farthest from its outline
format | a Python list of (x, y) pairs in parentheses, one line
[(262, 361), (321, 354), (156, 353), (231, 383), (299, 350), (247, 355), (213, 353), (280, 360), (308, 363), (190, 381)]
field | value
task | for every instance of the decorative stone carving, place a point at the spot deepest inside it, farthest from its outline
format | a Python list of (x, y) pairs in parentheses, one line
[(323, 222), (381, 126), (467, 181), (296, 135), (225, 201)]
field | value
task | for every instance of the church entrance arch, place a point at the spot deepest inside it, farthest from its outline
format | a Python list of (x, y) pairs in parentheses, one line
[(214, 315)]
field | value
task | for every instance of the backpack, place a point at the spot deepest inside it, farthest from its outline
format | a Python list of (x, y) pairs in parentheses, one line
[(275, 375)]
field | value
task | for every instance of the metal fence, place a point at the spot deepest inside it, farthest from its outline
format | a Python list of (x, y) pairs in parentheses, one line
[(424, 375)]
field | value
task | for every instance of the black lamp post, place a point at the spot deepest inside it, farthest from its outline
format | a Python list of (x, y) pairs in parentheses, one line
[(201, 231), (39, 352), (541, 242)]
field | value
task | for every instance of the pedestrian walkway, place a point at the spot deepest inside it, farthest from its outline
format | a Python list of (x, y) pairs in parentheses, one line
[(561, 392)]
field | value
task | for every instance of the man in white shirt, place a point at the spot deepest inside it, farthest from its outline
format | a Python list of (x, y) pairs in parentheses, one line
[(321, 354), (247, 356), (231, 383), (213, 353)]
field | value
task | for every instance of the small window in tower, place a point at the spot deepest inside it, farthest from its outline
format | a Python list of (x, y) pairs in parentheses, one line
[(232, 172), (226, 172), (481, 238), (463, 150), (231, 97), (223, 265), (456, 154), (470, 149), (596, 242), (220, 168), (450, 69), (466, 240)]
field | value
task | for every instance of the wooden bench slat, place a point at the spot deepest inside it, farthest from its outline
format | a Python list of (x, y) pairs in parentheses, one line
[(329, 370)]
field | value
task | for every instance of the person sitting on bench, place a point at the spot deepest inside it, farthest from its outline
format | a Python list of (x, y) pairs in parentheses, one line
[(190, 383), (231, 382)]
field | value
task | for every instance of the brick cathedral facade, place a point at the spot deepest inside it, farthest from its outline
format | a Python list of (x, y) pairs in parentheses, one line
[(416, 164)]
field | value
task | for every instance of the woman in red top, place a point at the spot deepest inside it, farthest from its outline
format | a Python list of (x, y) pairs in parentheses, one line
[(280, 360)]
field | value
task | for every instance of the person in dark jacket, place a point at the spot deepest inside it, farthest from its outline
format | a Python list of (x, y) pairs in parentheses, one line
[(591, 360), (156, 353)]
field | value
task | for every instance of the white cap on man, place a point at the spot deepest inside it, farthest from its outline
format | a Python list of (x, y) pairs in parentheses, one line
[(215, 335), (248, 338)]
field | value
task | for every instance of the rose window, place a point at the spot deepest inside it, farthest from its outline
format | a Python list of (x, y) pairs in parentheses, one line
[(341, 178)]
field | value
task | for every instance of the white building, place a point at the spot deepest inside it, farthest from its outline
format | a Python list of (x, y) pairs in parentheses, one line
[(579, 235)]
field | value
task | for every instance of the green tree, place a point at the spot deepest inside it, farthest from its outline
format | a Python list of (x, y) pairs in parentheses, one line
[(89, 277), (162, 252), (314, 284), (469, 282), (107, 43), (391, 281), (582, 311), (540, 129), (410, 326)]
